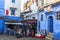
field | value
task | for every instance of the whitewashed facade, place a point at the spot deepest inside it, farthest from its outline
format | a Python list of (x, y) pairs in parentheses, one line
[(32, 14), (9, 5)]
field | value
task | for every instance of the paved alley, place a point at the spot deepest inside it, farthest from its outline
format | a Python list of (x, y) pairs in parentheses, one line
[(5, 37)]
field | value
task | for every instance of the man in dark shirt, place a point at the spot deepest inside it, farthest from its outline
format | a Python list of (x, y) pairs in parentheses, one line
[(24, 28)]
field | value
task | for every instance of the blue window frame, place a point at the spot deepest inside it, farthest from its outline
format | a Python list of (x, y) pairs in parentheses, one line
[(42, 17), (12, 12), (58, 15), (13, 1)]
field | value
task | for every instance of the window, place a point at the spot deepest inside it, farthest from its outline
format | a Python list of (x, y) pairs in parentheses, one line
[(13, 1), (12, 12), (58, 16), (42, 2), (27, 16), (42, 17), (33, 18)]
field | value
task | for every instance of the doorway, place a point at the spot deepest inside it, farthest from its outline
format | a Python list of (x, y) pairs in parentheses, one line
[(50, 24)]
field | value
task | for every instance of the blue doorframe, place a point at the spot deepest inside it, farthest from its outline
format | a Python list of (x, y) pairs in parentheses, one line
[(50, 24)]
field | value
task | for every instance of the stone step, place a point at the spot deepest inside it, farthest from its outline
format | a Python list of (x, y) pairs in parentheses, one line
[(48, 38), (50, 33)]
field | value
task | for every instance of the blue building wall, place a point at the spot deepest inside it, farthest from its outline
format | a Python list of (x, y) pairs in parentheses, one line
[(1, 7), (42, 23), (1, 25), (1, 15), (56, 8), (45, 22), (38, 24)]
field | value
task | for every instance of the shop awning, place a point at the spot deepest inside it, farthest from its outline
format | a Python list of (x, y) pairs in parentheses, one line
[(14, 23), (13, 18)]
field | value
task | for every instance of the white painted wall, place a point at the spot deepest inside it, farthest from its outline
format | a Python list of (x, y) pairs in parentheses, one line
[(17, 4), (31, 17), (33, 13)]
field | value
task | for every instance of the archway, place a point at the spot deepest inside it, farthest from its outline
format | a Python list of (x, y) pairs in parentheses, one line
[(50, 24)]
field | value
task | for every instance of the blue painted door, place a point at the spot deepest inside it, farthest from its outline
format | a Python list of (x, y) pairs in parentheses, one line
[(50, 24), (1, 25)]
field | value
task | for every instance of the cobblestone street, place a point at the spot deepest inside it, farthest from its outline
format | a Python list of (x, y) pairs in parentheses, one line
[(5, 37)]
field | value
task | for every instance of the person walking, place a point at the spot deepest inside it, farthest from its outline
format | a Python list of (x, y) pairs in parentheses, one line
[(25, 28), (19, 30)]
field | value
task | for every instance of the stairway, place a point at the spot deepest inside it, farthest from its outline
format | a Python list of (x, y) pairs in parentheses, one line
[(49, 36)]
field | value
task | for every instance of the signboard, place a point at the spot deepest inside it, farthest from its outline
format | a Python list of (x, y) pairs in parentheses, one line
[(32, 21)]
